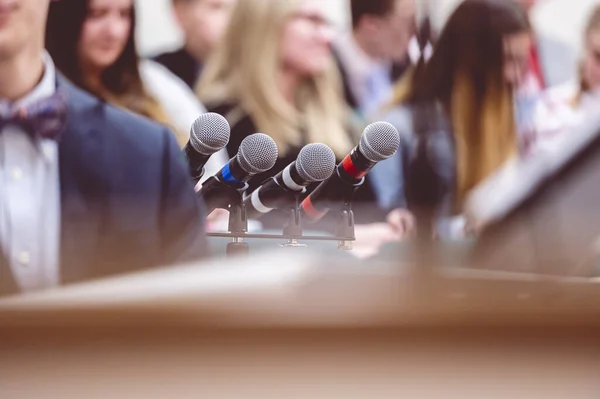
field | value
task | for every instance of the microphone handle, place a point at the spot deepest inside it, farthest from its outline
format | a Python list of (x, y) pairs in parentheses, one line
[(195, 161), (338, 189), (356, 165), (225, 188), (272, 194), (278, 192), (219, 195)]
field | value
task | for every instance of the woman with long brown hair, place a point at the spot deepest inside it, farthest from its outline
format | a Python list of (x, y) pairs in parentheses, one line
[(92, 43), (456, 111)]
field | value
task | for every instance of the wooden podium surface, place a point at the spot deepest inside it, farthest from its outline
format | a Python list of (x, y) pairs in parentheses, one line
[(339, 363), (296, 329)]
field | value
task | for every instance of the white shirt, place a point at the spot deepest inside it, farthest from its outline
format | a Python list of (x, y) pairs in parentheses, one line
[(370, 79), (414, 51), (180, 103), (556, 113), (30, 196)]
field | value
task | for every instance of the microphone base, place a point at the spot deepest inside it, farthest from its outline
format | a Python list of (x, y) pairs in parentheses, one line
[(293, 243), (345, 245), (293, 227), (345, 225), (237, 248), (279, 237)]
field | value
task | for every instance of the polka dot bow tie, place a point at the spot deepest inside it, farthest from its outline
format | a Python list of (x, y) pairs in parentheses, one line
[(43, 119)]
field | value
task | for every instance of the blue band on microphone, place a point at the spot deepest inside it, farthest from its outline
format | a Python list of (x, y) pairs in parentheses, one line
[(228, 177)]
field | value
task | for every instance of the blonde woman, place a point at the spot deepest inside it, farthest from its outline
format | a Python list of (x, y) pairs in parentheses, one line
[(274, 73)]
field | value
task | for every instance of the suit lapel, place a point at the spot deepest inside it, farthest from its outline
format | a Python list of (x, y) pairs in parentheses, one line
[(81, 188)]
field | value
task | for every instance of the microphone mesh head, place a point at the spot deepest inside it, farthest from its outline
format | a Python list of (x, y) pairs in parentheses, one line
[(315, 162), (258, 153), (379, 141), (209, 133)]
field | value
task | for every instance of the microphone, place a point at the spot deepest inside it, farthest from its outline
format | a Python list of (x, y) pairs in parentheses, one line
[(379, 141), (315, 163), (208, 135), (257, 154)]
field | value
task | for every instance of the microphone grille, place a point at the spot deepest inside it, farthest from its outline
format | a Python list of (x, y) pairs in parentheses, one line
[(258, 153), (209, 133), (379, 141), (315, 162)]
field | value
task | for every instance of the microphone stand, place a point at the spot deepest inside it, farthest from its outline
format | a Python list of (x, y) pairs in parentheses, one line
[(345, 218), (238, 226), (231, 199), (223, 196), (293, 227), (345, 228)]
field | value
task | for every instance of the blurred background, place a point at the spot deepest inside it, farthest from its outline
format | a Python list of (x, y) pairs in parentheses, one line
[(561, 19), (476, 239)]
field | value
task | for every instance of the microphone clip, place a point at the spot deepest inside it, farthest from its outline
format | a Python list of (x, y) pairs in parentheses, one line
[(345, 228), (230, 198), (293, 228), (238, 224), (344, 225)]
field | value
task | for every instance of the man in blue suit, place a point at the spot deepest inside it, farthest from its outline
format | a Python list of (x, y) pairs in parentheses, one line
[(86, 190)]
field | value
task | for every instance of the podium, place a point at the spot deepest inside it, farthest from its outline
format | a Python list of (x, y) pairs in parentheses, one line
[(304, 327), (550, 210)]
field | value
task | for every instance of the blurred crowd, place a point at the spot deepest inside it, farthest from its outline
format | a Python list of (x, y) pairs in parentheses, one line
[(466, 98), (484, 88)]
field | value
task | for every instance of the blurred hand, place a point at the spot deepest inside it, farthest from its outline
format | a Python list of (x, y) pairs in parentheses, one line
[(370, 238), (218, 220), (217, 215), (473, 228), (402, 222), (473, 225)]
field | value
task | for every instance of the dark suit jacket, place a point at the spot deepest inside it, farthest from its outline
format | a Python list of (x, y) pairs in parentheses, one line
[(182, 65), (127, 202)]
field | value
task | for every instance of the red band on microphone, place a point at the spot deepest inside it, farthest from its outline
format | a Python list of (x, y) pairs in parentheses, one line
[(310, 209), (351, 169)]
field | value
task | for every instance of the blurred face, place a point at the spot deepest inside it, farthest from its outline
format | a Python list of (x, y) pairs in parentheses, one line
[(517, 50), (388, 37), (397, 30), (591, 62), (22, 24), (203, 23), (306, 40), (105, 32)]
